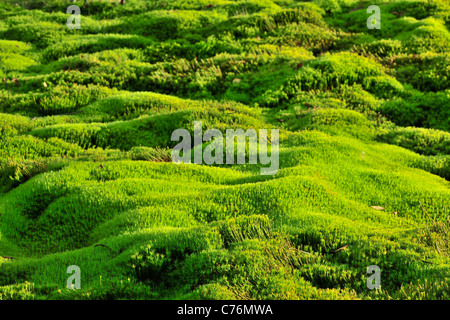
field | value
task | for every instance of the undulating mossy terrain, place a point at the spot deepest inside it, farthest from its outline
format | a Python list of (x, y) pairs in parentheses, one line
[(86, 176)]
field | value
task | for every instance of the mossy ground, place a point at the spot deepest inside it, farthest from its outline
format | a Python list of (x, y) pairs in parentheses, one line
[(86, 178)]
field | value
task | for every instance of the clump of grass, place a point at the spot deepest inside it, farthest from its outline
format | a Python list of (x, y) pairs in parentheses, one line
[(242, 228), (14, 172), (437, 233), (150, 154), (23, 291)]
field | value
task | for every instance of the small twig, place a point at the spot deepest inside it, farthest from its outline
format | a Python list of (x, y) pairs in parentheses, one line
[(341, 248), (301, 251), (427, 262), (423, 209), (102, 245)]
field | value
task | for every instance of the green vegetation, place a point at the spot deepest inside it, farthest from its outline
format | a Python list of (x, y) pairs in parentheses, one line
[(86, 176)]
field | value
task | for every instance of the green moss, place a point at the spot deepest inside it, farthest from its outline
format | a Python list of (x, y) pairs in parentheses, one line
[(86, 176)]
